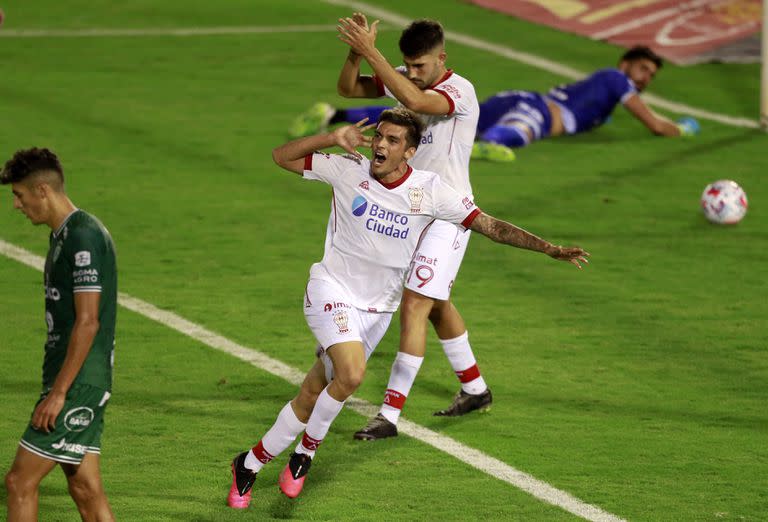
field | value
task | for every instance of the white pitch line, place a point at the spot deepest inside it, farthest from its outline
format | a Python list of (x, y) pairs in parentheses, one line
[(470, 41), (160, 31), (545, 64), (471, 456)]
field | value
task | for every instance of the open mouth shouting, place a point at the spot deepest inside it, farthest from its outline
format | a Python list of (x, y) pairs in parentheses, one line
[(379, 159)]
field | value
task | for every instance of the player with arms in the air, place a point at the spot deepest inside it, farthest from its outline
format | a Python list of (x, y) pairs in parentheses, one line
[(380, 209), (447, 104)]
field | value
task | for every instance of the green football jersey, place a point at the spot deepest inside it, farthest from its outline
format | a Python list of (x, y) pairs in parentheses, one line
[(81, 258)]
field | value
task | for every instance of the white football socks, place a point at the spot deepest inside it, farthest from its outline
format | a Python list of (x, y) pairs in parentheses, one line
[(462, 360), (324, 413), (282, 433), (404, 371)]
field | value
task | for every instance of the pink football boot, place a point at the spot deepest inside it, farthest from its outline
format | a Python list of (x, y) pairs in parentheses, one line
[(242, 480), (292, 477)]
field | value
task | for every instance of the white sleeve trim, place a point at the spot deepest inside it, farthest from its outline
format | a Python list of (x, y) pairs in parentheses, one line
[(628, 95)]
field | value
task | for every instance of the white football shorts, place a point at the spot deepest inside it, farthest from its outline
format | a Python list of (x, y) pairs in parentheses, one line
[(333, 320), (437, 260)]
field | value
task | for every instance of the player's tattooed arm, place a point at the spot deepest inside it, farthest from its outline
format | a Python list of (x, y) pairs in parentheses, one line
[(509, 234)]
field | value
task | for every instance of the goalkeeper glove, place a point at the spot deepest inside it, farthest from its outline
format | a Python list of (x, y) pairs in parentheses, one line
[(688, 126)]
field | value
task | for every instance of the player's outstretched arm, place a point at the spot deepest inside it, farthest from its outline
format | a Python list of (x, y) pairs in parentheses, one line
[(507, 233), (656, 123), (363, 42), (351, 83), (290, 156)]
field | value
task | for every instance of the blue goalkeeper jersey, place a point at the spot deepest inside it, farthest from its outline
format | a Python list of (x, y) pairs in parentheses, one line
[(592, 100)]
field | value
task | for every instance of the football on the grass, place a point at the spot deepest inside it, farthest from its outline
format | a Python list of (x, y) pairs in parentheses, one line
[(724, 202)]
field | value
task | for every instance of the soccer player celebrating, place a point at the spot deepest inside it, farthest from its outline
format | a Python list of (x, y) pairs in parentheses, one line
[(513, 119), (381, 208), (80, 307), (448, 105)]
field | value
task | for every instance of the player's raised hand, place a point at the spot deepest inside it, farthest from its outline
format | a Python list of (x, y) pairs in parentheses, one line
[(349, 137), (360, 38), (360, 19), (573, 255)]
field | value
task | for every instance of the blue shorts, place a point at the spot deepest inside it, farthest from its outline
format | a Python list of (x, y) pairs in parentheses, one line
[(507, 108)]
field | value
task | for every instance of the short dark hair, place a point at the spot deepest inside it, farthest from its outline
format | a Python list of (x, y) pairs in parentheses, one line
[(27, 162), (421, 37), (408, 119), (641, 52)]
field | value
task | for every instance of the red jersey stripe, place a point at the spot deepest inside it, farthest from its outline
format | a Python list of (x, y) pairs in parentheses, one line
[(470, 218)]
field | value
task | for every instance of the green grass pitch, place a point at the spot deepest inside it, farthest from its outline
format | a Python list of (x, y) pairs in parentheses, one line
[(638, 385)]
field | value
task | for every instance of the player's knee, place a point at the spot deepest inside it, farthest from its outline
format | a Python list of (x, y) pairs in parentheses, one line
[(350, 379), (18, 486), (306, 398), (13, 484), (415, 305)]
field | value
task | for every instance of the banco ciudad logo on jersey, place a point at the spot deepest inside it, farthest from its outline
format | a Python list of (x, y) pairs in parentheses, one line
[(359, 204), (380, 220)]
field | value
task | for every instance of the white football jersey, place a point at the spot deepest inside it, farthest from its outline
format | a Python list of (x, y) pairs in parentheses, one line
[(374, 227), (446, 144)]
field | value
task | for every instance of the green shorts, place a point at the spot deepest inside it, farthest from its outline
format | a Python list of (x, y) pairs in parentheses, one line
[(78, 427)]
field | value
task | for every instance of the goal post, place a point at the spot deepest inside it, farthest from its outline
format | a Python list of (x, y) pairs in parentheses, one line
[(764, 67)]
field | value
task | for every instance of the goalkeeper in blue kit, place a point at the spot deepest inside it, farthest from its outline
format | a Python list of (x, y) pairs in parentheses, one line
[(513, 119)]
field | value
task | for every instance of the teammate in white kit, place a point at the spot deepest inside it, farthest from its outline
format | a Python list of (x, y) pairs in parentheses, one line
[(380, 210), (448, 105)]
